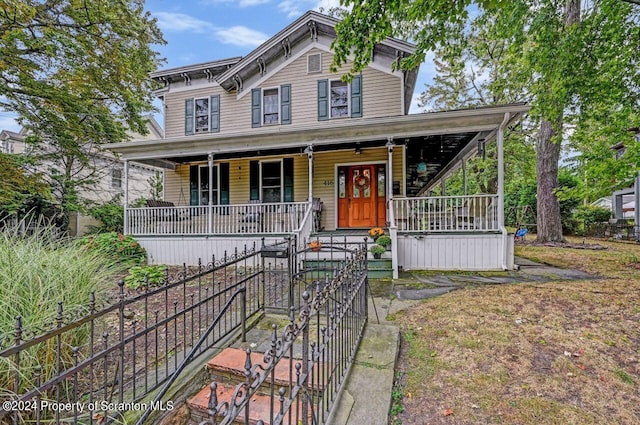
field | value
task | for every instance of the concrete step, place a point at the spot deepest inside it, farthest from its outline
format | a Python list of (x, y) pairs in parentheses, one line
[(376, 268)]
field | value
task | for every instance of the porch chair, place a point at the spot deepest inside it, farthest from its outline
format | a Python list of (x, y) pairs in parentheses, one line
[(252, 214), (175, 214)]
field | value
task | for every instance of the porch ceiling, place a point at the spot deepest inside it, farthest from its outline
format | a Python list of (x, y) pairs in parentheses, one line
[(440, 138)]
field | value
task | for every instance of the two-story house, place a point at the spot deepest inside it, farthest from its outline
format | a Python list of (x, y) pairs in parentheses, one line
[(255, 146)]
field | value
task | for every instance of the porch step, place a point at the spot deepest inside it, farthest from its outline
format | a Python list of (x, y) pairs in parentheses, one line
[(377, 268), (259, 406), (228, 367), (227, 370)]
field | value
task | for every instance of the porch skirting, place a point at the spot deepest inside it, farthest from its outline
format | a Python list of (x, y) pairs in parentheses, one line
[(178, 250), (453, 251)]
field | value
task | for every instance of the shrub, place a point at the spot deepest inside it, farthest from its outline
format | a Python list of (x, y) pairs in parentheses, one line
[(377, 249), (110, 215), (592, 214), (138, 274), (384, 241), (36, 272), (116, 246)]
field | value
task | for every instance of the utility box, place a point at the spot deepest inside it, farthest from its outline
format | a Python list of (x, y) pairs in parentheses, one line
[(275, 251)]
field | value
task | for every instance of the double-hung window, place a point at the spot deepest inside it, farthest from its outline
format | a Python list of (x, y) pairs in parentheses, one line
[(116, 178), (203, 185), (271, 106), (202, 115), (339, 99), (271, 181)]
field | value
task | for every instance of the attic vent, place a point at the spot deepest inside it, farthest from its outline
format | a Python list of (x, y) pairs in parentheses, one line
[(314, 63)]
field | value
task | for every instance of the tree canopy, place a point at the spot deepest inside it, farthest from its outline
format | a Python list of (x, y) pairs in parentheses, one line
[(77, 75), (575, 62)]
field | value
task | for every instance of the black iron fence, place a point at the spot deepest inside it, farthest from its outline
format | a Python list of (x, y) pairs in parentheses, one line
[(90, 367), (327, 332), (95, 367)]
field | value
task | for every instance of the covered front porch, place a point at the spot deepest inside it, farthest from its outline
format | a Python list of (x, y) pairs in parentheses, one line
[(221, 192)]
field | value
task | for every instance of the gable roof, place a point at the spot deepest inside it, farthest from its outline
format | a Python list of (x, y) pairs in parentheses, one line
[(307, 29)]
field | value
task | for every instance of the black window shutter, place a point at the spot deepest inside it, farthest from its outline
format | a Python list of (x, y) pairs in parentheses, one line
[(323, 100), (256, 107), (224, 183), (188, 117), (254, 180), (287, 168), (356, 96), (285, 104), (193, 185), (214, 104)]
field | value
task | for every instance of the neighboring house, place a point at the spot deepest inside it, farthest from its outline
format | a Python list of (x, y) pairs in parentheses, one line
[(255, 145), (107, 169), (623, 204)]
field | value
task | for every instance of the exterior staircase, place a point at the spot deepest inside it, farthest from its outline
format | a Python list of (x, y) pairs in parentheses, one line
[(227, 370)]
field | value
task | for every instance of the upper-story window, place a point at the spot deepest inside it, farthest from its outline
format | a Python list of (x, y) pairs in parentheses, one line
[(202, 115), (271, 106), (620, 152), (339, 99)]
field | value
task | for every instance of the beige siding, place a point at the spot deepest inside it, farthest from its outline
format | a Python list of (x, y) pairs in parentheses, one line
[(382, 96), (238, 180), (176, 185), (324, 177)]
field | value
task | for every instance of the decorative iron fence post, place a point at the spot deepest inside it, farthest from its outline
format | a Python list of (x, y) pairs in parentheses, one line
[(304, 316), (18, 337), (121, 332)]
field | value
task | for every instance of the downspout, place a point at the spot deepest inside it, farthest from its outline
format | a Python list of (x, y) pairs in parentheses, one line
[(210, 195), (503, 229), (126, 197), (393, 228)]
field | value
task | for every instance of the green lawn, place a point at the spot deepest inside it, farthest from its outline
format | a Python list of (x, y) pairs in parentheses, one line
[(553, 353)]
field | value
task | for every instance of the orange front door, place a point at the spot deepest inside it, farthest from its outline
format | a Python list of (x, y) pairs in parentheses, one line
[(361, 196)]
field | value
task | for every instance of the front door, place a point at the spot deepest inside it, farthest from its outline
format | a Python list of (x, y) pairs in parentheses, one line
[(361, 196)]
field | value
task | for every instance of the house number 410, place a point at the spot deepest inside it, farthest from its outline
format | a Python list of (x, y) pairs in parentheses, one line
[(328, 182)]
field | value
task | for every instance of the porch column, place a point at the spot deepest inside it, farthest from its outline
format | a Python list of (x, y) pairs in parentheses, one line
[(464, 177), (210, 208), (500, 142), (126, 196), (309, 152), (393, 228)]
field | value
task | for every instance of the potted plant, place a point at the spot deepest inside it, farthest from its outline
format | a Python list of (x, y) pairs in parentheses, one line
[(377, 251), (384, 241), (315, 246), (375, 233)]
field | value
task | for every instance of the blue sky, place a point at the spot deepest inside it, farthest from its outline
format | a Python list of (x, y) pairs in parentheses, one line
[(204, 30)]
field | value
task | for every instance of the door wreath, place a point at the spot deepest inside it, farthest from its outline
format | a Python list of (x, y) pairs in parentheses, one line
[(362, 183)]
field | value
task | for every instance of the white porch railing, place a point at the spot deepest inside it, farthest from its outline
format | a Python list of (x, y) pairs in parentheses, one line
[(447, 214), (279, 218)]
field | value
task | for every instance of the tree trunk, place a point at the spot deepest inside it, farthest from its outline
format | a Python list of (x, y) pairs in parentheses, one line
[(547, 157)]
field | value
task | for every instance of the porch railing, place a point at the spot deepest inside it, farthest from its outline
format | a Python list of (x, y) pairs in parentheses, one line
[(447, 214), (278, 218)]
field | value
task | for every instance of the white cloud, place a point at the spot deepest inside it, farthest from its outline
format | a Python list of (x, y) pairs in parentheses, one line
[(242, 3), (240, 36), (291, 8), (180, 22), (295, 8)]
